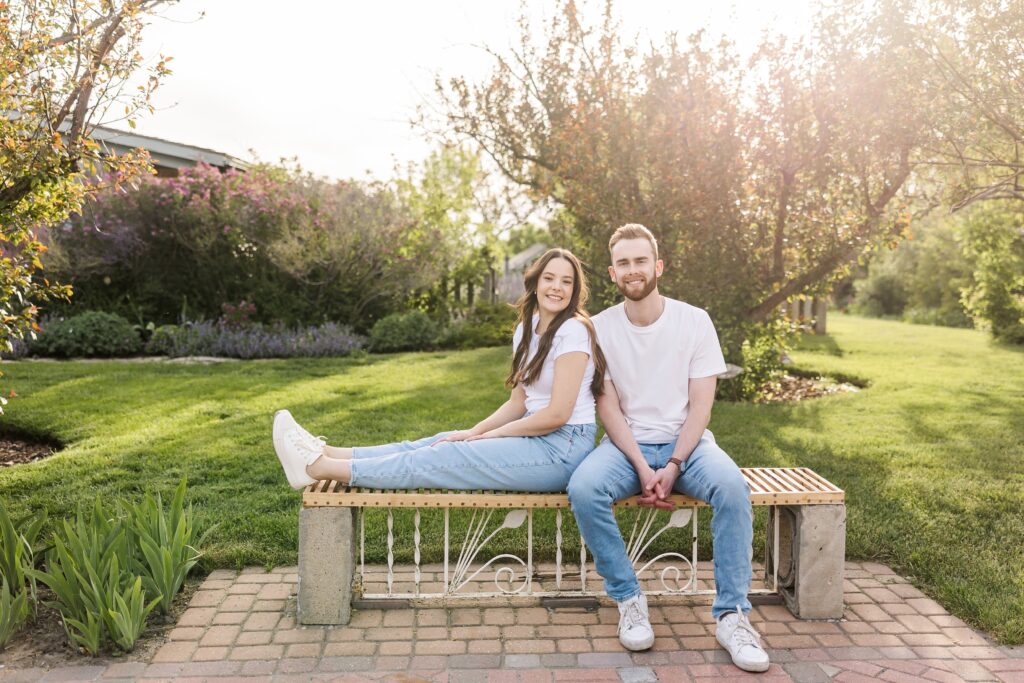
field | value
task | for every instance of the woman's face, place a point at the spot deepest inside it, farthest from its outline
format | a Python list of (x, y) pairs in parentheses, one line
[(554, 287)]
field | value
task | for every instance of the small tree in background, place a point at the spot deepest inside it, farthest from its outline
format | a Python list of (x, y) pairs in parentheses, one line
[(994, 239), (63, 65)]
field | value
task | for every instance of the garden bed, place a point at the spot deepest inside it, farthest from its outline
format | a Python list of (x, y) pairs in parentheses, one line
[(44, 644)]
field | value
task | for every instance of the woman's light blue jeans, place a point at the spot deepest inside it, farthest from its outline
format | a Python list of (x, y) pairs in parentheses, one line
[(709, 474), (520, 463)]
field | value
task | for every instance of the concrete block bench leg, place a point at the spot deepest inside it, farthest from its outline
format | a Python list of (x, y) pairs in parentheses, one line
[(812, 541), (327, 553)]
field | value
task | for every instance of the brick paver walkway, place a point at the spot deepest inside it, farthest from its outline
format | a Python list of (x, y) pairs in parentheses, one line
[(242, 625)]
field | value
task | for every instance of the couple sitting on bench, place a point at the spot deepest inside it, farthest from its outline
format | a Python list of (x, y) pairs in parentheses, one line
[(653, 377)]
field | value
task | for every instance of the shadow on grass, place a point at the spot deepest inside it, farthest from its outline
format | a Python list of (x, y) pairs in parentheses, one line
[(819, 343)]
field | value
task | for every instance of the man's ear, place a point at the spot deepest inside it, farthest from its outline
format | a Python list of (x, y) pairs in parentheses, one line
[(659, 267), (611, 272)]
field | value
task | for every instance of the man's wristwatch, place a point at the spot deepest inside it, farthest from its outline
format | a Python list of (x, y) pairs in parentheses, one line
[(678, 462)]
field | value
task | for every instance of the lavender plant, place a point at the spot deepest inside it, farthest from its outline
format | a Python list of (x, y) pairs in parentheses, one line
[(254, 341)]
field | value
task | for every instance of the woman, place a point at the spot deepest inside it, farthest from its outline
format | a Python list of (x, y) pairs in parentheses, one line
[(533, 442)]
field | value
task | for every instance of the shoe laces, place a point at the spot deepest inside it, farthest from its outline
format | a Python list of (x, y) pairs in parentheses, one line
[(632, 615), (744, 633), (306, 441)]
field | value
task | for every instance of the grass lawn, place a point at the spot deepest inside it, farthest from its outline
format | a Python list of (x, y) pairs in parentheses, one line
[(931, 454)]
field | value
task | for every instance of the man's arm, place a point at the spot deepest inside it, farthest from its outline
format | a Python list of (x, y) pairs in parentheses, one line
[(701, 392), (617, 429)]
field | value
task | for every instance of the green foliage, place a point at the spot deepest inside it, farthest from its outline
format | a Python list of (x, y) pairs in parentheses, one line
[(109, 560), (297, 248), (883, 293), (412, 331), (165, 541), (484, 325), (83, 570), (127, 615), (994, 239), (17, 552), (18, 539), (14, 610), (67, 64), (761, 359), (763, 178), (921, 279), (89, 334)]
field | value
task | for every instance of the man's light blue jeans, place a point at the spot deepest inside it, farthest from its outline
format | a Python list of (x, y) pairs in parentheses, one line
[(521, 463), (711, 475)]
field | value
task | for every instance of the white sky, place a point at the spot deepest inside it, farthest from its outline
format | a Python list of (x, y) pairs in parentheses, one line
[(336, 83)]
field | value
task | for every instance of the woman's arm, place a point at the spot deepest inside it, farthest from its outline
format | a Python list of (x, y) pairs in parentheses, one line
[(569, 370), (512, 409)]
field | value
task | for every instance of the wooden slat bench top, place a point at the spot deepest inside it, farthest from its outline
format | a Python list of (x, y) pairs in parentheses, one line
[(768, 486)]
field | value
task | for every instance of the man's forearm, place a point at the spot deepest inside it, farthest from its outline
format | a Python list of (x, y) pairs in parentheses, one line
[(617, 429), (690, 434)]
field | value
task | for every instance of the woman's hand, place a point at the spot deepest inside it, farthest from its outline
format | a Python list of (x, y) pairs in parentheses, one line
[(462, 435), (492, 434)]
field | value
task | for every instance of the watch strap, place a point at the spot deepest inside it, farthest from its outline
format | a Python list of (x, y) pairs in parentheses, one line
[(678, 462)]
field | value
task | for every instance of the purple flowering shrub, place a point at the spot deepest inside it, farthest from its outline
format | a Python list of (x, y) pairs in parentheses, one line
[(253, 341), (303, 248)]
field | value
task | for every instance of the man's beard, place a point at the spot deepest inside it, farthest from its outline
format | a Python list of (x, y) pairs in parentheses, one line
[(637, 295)]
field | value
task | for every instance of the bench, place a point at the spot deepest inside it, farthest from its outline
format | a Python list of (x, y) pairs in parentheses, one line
[(805, 548)]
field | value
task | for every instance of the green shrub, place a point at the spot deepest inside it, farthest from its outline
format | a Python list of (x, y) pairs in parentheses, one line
[(163, 340), (994, 240), (921, 279), (109, 561), (484, 325), (411, 331), (165, 542), (760, 356), (83, 570), (89, 334)]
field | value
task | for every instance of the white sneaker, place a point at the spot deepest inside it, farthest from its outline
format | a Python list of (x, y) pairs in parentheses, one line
[(296, 449), (635, 632), (736, 635)]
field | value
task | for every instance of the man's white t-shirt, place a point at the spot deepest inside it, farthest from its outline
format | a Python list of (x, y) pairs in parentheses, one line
[(572, 335), (651, 366)]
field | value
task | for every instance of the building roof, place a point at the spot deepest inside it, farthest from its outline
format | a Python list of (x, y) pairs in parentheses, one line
[(164, 152)]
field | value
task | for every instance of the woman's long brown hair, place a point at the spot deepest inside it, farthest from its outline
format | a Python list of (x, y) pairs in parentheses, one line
[(526, 373)]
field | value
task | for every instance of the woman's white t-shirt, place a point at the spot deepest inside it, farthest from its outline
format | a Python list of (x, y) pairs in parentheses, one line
[(571, 336)]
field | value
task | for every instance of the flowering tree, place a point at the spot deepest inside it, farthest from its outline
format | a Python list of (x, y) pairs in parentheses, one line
[(63, 64), (300, 248)]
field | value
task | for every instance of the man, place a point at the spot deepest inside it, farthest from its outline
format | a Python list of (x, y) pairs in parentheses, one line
[(663, 357)]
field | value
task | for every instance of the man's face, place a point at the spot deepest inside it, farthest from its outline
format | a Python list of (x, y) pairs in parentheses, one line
[(634, 269)]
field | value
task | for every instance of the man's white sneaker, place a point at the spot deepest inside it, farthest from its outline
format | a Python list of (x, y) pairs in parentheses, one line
[(635, 632), (296, 448), (736, 635)]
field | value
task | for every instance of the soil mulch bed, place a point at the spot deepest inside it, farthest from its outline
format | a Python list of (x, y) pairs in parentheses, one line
[(43, 643), (15, 451), (792, 388)]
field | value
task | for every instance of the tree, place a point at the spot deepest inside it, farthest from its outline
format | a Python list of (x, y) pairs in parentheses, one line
[(763, 180), (969, 57), (994, 236), (64, 64)]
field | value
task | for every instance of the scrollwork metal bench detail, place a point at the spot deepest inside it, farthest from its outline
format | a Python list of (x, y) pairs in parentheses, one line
[(805, 548)]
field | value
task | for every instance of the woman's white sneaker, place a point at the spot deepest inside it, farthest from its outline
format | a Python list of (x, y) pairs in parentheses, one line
[(296, 449), (736, 635), (635, 632)]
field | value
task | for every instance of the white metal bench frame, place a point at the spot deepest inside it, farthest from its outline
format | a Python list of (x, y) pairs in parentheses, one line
[(806, 541)]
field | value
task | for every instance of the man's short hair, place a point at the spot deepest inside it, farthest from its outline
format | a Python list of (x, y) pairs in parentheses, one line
[(633, 231)]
